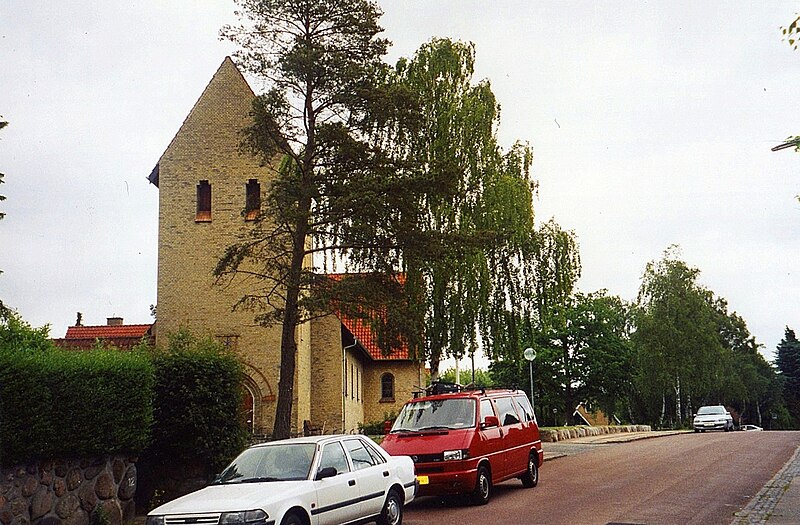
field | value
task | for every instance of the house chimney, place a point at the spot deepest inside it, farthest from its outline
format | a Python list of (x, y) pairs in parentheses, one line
[(79, 319), (114, 321)]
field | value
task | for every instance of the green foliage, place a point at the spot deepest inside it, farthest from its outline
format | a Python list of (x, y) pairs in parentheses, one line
[(17, 334), (196, 404), (59, 403), (788, 362), (378, 172), (691, 351), (375, 428), (339, 193), (482, 377), (655, 362), (478, 289), (583, 353)]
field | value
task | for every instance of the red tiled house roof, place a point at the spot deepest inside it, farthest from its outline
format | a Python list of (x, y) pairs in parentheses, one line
[(121, 336), (365, 337)]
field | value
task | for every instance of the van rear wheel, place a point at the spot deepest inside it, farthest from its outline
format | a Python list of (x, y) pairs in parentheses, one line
[(531, 476), (483, 487)]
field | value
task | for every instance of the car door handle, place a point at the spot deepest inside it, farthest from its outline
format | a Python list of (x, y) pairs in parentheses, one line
[(352, 482), (385, 473)]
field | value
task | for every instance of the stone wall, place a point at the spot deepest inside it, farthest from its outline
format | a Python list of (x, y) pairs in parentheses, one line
[(66, 492), (561, 434)]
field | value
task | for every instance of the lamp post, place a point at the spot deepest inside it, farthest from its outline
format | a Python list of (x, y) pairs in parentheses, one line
[(530, 355)]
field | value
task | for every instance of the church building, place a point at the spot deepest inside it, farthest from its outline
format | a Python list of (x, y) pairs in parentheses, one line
[(209, 194)]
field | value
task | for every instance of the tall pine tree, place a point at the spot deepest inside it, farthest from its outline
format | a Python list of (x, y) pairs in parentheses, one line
[(788, 362)]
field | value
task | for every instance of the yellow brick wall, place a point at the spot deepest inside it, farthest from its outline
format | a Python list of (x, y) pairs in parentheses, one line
[(207, 148), (408, 376), (326, 369)]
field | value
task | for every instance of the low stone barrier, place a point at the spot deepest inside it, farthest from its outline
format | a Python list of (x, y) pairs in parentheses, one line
[(66, 492), (561, 434)]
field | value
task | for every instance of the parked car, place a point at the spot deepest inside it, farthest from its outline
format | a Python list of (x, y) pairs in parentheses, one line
[(712, 417), (751, 428), (319, 479), (467, 441)]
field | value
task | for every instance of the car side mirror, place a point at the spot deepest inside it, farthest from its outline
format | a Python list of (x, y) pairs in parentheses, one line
[(490, 422), (327, 472)]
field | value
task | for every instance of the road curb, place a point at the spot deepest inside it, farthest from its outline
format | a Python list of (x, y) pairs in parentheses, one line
[(774, 495)]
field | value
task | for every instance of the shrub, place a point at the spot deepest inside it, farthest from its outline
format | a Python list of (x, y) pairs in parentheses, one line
[(197, 403), (61, 403), (375, 428)]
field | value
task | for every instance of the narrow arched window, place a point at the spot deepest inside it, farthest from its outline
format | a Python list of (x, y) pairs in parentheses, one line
[(387, 387), (252, 200), (203, 202)]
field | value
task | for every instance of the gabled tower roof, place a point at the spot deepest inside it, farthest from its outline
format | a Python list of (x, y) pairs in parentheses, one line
[(228, 93)]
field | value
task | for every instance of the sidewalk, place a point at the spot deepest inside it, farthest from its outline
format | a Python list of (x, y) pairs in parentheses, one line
[(560, 449), (778, 503)]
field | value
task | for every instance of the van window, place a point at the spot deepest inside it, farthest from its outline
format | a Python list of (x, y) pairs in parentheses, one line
[(524, 407), (440, 414), (486, 409), (508, 416)]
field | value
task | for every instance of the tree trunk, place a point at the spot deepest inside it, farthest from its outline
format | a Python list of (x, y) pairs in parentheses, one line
[(663, 409), (282, 428), (283, 411)]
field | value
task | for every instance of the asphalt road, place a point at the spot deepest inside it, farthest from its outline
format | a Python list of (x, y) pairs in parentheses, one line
[(678, 479)]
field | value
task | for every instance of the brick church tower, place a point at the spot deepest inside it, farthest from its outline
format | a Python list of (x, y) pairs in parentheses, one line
[(209, 193)]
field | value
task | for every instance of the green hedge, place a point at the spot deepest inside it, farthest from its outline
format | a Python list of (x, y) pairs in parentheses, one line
[(197, 404), (178, 405), (58, 403)]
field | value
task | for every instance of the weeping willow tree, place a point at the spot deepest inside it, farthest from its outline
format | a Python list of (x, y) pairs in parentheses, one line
[(477, 293)]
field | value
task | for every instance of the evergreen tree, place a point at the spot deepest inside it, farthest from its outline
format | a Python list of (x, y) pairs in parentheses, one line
[(788, 363)]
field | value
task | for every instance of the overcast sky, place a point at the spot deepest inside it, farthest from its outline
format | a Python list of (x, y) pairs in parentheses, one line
[(651, 125)]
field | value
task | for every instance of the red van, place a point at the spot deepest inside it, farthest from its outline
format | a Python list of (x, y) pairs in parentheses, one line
[(466, 441)]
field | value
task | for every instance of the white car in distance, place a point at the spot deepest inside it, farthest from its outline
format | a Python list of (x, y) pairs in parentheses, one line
[(712, 417), (318, 480)]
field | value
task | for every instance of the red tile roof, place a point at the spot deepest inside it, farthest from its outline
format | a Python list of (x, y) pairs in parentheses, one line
[(122, 336), (366, 337)]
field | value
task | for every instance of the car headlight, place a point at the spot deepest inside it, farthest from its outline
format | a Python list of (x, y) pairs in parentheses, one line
[(247, 517), (155, 520), (455, 455)]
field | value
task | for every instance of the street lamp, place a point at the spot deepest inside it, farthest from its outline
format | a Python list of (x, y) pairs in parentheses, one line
[(530, 355)]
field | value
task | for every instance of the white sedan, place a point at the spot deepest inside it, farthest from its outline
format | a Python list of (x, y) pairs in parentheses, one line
[(314, 480)]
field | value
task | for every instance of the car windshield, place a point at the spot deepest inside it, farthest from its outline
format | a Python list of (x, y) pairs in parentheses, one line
[(705, 411), (442, 414), (280, 462)]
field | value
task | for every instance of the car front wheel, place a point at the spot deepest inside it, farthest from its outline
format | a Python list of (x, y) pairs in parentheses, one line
[(392, 513), (531, 476), (483, 487), (292, 519)]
